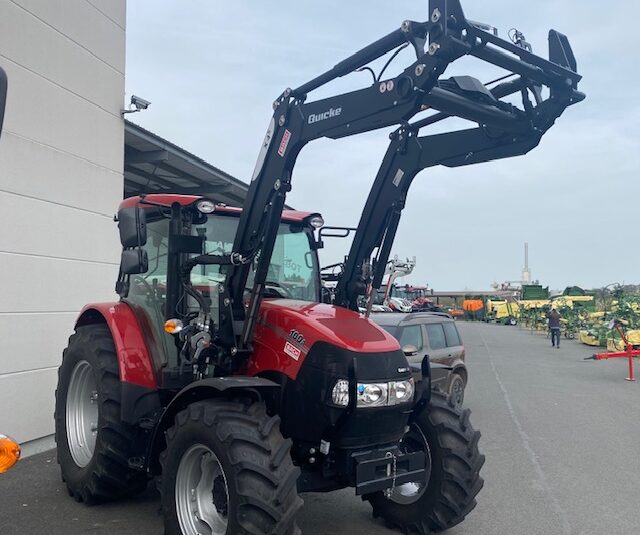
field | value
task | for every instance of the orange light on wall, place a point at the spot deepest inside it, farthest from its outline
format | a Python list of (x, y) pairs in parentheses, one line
[(9, 453)]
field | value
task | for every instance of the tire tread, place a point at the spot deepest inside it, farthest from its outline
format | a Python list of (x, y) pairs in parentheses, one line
[(110, 477), (266, 487)]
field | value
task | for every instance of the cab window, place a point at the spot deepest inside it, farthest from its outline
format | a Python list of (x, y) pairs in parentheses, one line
[(293, 269), (436, 336)]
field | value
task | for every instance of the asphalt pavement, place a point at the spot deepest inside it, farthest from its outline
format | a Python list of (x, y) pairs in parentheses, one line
[(560, 435)]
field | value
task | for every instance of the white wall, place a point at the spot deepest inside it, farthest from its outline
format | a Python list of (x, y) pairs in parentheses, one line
[(61, 163)]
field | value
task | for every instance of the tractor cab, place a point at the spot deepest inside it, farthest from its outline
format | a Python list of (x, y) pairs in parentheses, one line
[(168, 230)]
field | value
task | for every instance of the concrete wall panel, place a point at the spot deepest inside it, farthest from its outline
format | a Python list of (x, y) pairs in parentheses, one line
[(28, 402), (42, 284), (57, 176), (44, 229), (46, 113), (96, 26), (34, 341)]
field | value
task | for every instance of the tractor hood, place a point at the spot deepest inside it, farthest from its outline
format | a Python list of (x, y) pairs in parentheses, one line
[(287, 329), (321, 322)]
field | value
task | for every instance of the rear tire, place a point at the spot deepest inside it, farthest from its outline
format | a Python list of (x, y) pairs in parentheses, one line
[(454, 481), (254, 481), (93, 445)]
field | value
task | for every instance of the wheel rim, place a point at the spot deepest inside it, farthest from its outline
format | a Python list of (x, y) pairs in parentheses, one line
[(82, 414), (411, 492), (202, 494), (457, 391)]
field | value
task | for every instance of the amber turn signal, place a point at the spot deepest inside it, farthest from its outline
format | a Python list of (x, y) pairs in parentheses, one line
[(173, 326), (9, 453)]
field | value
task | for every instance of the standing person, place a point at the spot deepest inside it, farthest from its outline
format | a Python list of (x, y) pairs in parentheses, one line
[(554, 327)]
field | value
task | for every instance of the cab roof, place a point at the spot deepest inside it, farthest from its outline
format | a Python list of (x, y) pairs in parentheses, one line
[(294, 216)]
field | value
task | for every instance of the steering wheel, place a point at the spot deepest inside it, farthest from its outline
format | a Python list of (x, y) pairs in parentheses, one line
[(278, 289), (137, 279)]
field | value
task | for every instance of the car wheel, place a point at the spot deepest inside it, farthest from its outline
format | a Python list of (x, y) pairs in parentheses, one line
[(456, 390)]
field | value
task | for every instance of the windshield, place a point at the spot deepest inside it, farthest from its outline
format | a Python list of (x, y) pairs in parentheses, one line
[(293, 271), (407, 293)]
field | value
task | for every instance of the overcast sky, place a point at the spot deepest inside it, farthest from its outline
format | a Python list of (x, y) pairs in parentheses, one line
[(212, 69)]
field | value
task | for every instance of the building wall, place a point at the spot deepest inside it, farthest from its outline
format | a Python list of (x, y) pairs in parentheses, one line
[(61, 165)]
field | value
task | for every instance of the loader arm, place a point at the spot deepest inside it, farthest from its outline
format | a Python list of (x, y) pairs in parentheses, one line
[(445, 37), (409, 153), (396, 269)]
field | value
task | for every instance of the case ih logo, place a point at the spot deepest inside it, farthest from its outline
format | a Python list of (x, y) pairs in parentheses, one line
[(284, 143), (292, 350), (296, 337), (331, 112)]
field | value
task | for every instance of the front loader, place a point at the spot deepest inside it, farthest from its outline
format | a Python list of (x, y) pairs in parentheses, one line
[(221, 373)]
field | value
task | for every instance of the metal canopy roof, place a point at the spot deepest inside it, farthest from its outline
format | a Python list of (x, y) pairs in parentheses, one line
[(154, 165)]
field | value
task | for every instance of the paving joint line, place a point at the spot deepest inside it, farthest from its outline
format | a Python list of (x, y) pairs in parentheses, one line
[(526, 443)]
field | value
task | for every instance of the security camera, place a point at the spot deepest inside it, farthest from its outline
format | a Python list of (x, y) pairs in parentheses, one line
[(137, 104)]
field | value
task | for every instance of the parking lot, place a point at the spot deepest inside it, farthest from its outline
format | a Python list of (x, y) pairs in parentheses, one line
[(560, 437)]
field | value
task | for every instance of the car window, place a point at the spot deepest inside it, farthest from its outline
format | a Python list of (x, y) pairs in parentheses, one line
[(391, 329), (411, 335), (436, 336), (451, 334)]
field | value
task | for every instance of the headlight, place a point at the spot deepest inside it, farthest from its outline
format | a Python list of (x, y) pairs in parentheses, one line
[(205, 206), (372, 394), (401, 391), (340, 393), (315, 220)]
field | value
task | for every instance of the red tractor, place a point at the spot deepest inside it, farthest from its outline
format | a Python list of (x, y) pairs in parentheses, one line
[(221, 373)]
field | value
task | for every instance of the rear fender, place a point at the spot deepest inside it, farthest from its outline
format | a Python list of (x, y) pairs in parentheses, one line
[(236, 386), (134, 359), (139, 400)]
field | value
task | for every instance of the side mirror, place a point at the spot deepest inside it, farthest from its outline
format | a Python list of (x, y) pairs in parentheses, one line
[(409, 350), (132, 224), (134, 261), (3, 95)]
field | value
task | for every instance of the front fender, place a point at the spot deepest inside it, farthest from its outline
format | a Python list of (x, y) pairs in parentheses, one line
[(427, 375), (134, 359), (198, 391)]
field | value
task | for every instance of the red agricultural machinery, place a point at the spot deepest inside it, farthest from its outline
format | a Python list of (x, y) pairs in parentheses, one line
[(221, 373)]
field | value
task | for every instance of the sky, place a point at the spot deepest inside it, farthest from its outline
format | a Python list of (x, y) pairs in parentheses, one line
[(213, 68)]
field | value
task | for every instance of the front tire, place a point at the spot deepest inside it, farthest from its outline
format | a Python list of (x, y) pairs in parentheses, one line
[(227, 470), (93, 445), (454, 481)]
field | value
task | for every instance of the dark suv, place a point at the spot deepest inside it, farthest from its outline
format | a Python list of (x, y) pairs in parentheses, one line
[(434, 334)]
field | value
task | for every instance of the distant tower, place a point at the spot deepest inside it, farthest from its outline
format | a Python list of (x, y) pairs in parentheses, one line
[(526, 274)]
